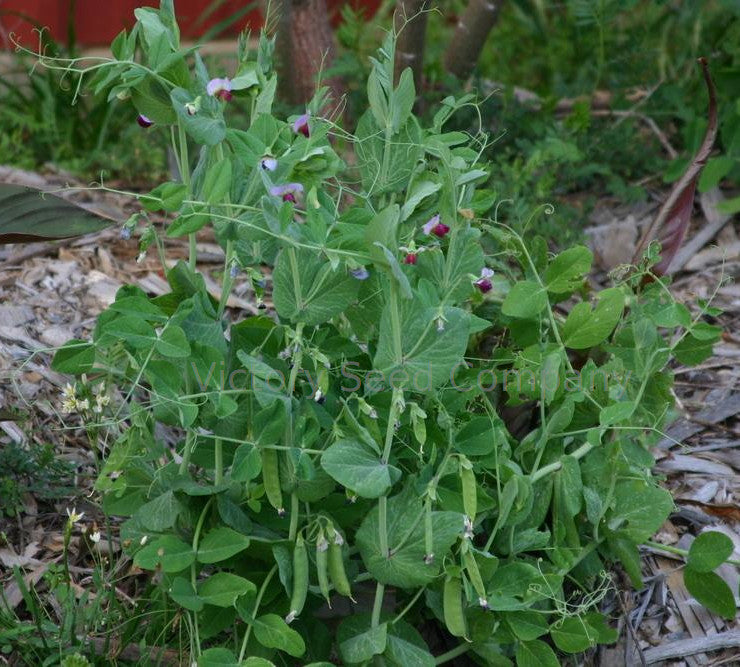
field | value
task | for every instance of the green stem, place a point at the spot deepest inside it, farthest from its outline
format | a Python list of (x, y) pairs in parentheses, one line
[(452, 653), (257, 603), (680, 552), (193, 571), (584, 449), (408, 607), (189, 442), (297, 361), (218, 453), (185, 177), (377, 605)]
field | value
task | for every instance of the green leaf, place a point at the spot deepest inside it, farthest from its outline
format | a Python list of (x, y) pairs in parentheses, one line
[(309, 290), (416, 194), (585, 328), (573, 635), (168, 553), (165, 197), (426, 356), (710, 590), (714, 171), (616, 413), (217, 182), (172, 342), (218, 657), (161, 513), (525, 300), (402, 100), (351, 464), (220, 544), (527, 625), (207, 126), (709, 550), (535, 654), (247, 463), (405, 647), (182, 592), (358, 641), (405, 567), (476, 437), (572, 486), (273, 632), (75, 357), (565, 273), (223, 588), (639, 509), (691, 350), (27, 214)]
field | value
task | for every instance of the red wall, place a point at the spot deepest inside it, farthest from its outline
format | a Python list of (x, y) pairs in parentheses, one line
[(99, 21)]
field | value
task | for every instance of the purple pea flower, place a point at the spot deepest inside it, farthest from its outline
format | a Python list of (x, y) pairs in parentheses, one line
[(434, 226), (268, 163), (484, 282), (300, 125), (143, 121), (361, 274), (220, 88), (287, 191)]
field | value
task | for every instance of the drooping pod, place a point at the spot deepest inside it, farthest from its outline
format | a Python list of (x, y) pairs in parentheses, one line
[(428, 533), (322, 565), (452, 605), (471, 567), (271, 479), (469, 489), (337, 573), (300, 579)]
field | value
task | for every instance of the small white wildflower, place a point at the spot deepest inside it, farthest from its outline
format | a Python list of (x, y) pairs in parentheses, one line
[(83, 405), (95, 537), (69, 391), (74, 517), (140, 257), (428, 559), (318, 396), (468, 534), (483, 603), (143, 540), (69, 406)]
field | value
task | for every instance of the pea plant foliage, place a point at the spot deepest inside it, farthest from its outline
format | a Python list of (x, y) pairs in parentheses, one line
[(437, 444)]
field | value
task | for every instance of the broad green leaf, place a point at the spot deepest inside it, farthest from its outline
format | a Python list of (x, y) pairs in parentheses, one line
[(168, 553), (351, 464), (525, 300), (565, 273), (161, 513), (74, 357), (427, 355), (218, 657), (711, 590), (691, 350), (639, 509), (714, 171), (585, 328), (527, 625), (165, 197), (418, 193), (220, 544), (573, 635), (476, 437), (405, 567), (207, 126), (405, 647), (358, 641), (709, 550), (572, 486), (172, 342), (402, 100), (273, 632), (308, 290), (182, 592), (135, 331), (627, 554), (27, 214), (535, 654), (247, 463), (217, 182), (223, 588), (616, 413), (513, 586)]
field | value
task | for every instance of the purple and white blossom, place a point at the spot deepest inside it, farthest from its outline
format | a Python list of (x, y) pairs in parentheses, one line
[(220, 88), (143, 121), (300, 125), (484, 283), (287, 191), (268, 163), (435, 226), (361, 274)]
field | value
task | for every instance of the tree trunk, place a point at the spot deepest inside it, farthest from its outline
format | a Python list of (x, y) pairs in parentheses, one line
[(410, 24), (470, 36), (305, 47)]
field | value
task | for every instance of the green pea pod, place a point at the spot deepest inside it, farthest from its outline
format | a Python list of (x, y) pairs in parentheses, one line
[(469, 492), (453, 606), (428, 533), (271, 479), (336, 567), (300, 579), (471, 567), (322, 566)]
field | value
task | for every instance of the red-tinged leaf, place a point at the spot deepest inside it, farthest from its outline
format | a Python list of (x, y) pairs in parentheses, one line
[(27, 214), (672, 222)]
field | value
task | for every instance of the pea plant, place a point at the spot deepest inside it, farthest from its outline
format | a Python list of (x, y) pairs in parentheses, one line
[(436, 443)]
